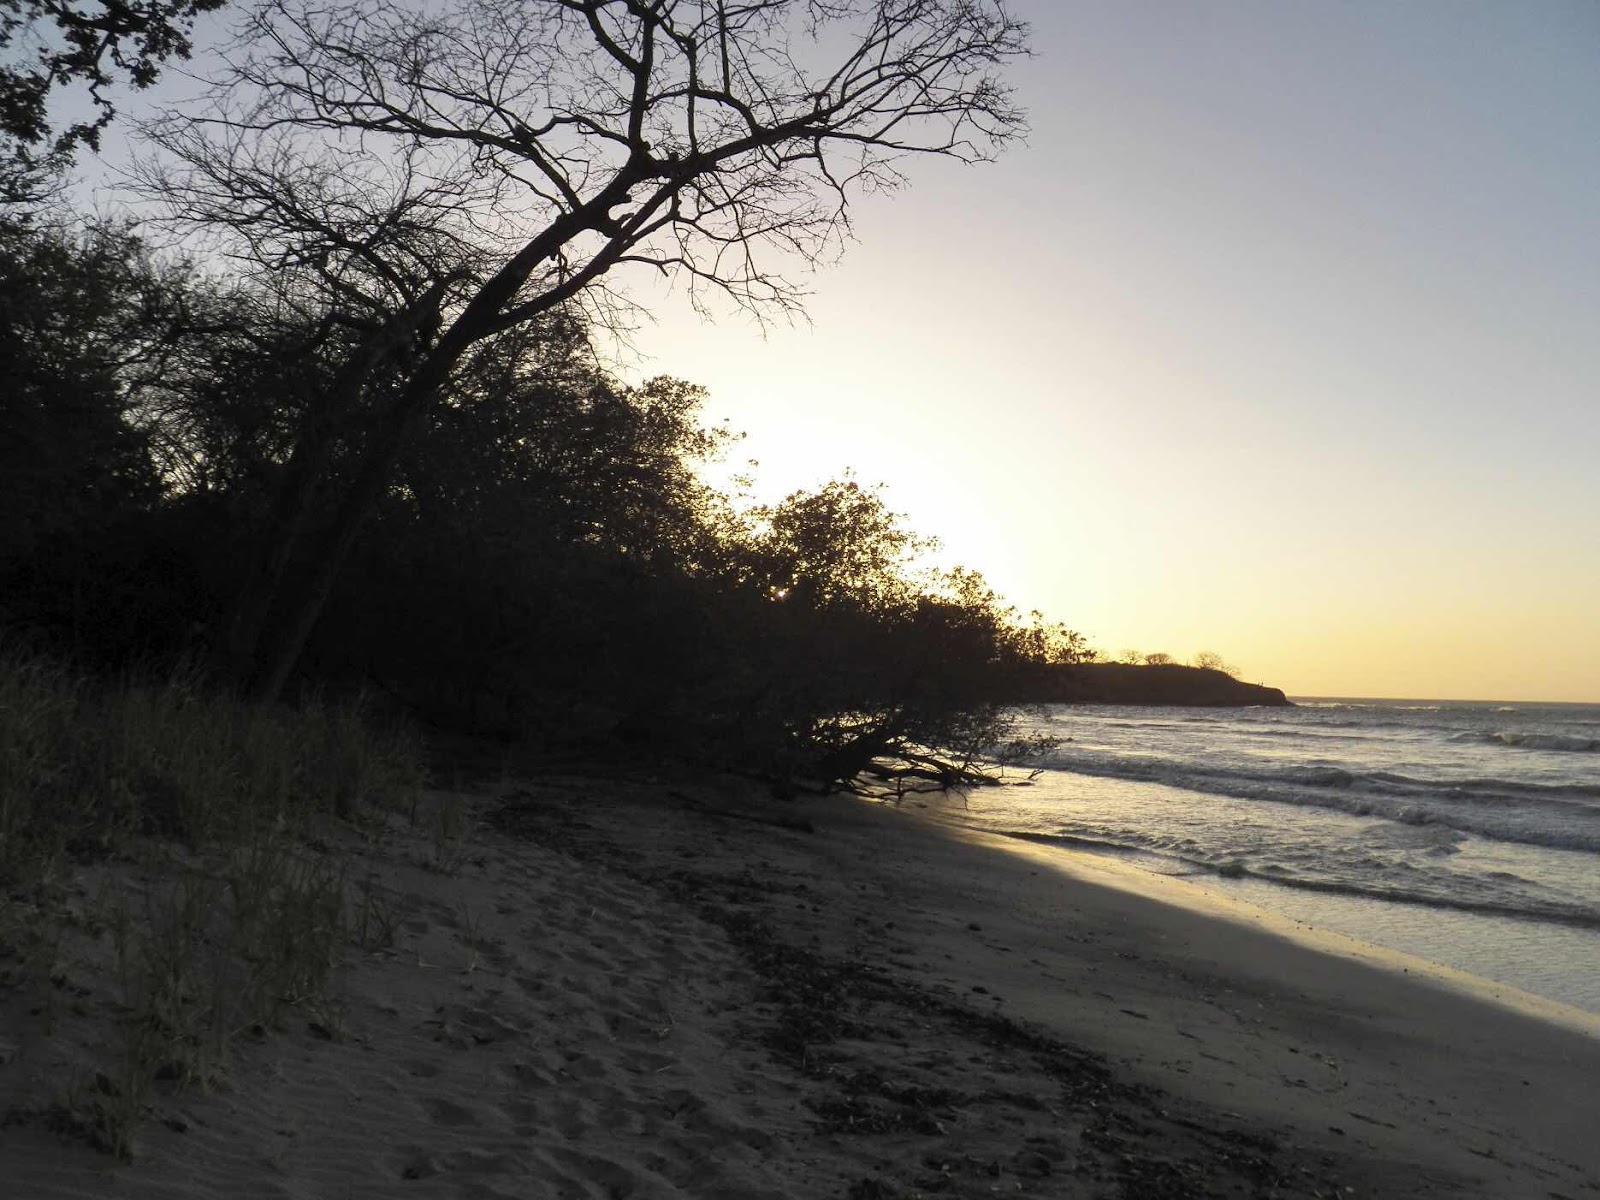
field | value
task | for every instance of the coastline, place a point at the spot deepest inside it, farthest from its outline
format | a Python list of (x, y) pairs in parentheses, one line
[(1208, 895), (663, 987), (1463, 834)]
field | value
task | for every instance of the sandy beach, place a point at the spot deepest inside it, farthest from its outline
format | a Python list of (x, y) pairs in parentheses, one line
[(647, 986)]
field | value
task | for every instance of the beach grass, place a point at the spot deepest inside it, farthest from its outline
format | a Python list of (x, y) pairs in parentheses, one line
[(217, 907)]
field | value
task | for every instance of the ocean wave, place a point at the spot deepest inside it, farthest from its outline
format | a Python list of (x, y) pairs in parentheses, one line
[(1561, 816), (1526, 908), (1319, 776), (1369, 705), (1490, 786), (1155, 768), (1074, 841), (1530, 910), (1324, 732), (1571, 743)]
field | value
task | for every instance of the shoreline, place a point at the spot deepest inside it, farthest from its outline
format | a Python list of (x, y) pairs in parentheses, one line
[(672, 987), (1465, 836), (1198, 962), (1209, 889)]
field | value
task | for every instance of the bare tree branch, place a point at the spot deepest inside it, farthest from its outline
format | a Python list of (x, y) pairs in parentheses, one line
[(505, 157)]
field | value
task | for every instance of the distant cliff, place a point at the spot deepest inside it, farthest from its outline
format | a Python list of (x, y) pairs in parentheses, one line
[(1168, 683)]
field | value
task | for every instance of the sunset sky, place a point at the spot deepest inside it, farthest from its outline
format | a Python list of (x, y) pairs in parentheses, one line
[(1280, 337)]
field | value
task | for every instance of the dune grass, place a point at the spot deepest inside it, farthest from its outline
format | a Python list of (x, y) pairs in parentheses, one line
[(84, 767), (225, 910)]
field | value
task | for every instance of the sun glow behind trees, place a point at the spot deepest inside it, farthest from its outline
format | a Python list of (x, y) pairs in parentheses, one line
[(1275, 338)]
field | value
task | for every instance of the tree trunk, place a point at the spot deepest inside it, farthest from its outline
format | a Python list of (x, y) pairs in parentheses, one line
[(280, 644), (246, 653), (280, 541), (283, 641)]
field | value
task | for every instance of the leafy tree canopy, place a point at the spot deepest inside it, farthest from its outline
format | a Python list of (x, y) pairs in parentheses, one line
[(46, 45)]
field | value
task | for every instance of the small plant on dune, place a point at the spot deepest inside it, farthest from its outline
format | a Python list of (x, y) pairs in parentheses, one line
[(30, 953), (288, 924), (170, 1024), (38, 705), (450, 822), (215, 950), (373, 919)]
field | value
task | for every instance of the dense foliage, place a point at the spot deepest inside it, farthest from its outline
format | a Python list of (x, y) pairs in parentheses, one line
[(546, 561), (83, 50)]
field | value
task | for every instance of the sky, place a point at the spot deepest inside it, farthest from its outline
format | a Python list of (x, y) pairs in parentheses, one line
[(1280, 338)]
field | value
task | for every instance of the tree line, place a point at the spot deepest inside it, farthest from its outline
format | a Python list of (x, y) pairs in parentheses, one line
[(357, 434), (544, 559)]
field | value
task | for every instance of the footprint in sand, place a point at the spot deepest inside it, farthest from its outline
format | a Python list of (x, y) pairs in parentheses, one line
[(645, 1062), (526, 1116), (486, 1027), (415, 1163), (532, 1076), (448, 1112), (575, 1174)]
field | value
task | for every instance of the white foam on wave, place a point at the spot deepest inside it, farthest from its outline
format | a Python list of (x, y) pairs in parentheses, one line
[(1522, 739), (1548, 741), (1504, 810)]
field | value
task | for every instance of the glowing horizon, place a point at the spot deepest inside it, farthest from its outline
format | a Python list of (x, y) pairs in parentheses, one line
[(1276, 341)]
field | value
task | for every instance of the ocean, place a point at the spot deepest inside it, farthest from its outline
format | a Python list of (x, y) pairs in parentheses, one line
[(1465, 833)]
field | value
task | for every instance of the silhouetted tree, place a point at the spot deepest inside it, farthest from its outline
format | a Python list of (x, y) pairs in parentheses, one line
[(89, 321), (1210, 660), (543, 543), (46, 45), (532, 433), (863, 659), (446, 174), (81, 312)]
